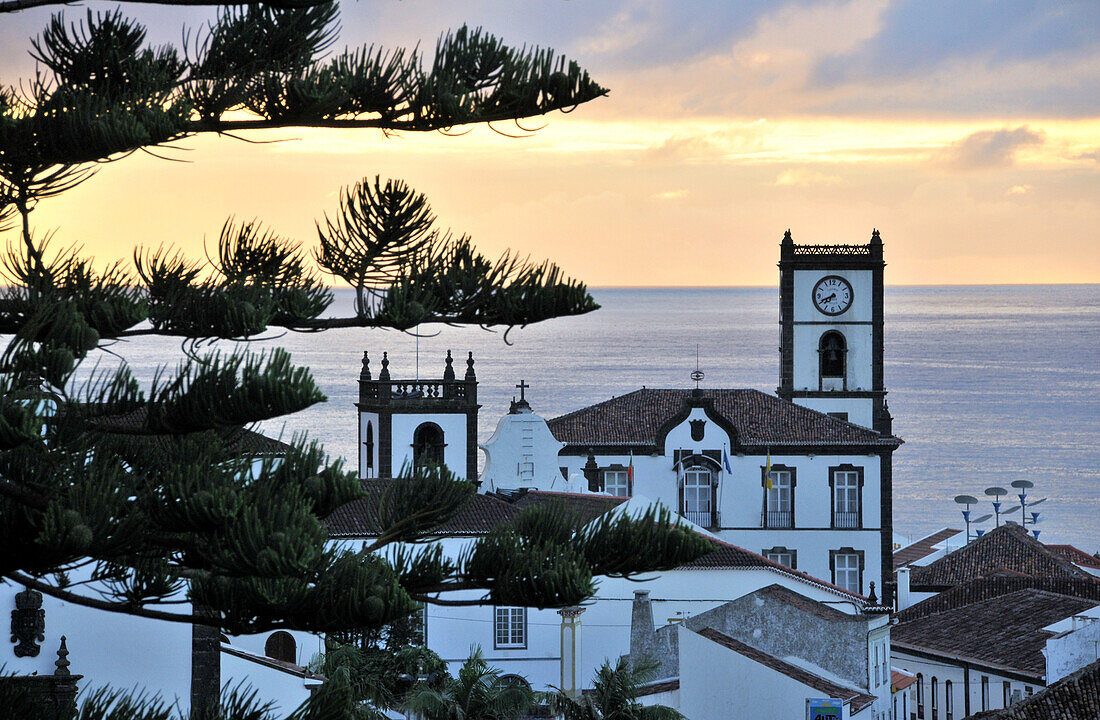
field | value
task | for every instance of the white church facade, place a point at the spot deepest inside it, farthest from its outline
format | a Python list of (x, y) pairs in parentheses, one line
[(802, 477)]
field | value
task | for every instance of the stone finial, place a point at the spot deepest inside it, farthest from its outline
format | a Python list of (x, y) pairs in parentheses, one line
[(449, 371), (787, 236), (591, 473), (385, 373), (871, 595), (470, 376), (364, 374), (62, 662), (875, 238)]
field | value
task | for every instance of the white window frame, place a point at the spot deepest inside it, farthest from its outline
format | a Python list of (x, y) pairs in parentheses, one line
[(780, 498), (847, 576), (784, 557), (509, 627), (846, 491), (698, 488), (616, 482)]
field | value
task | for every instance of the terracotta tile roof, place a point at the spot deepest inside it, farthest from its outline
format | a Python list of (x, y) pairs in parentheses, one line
[(1007, 548), (1074, 697), (857, 699), (1004, 631), (726, 555), (900, 681), (360, 518), (638, 418), (922, 548), (238, 440), (991, 587), (585, 507), (1075, 555), (659, 687)]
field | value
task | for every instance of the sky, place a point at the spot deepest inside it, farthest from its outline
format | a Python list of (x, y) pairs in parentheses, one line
[(966, 131)]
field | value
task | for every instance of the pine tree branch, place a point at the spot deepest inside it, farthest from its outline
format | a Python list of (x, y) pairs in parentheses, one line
[(8, 6), (124, 608)]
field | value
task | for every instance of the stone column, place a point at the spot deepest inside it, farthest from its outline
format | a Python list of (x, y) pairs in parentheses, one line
[(571, 658), (641, 627), (206, 667)]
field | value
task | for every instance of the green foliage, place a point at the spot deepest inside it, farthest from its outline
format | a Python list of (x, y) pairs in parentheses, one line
[(478, 693), (613, 696)]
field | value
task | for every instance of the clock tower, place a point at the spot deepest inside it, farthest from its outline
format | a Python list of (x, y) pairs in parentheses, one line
[(830, 310)]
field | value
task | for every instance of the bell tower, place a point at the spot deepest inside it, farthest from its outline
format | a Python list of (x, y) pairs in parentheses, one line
[(405, 422), (831, 347)]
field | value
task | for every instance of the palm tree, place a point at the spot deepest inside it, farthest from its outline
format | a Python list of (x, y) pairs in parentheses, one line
[(478, 693), (614, 696)]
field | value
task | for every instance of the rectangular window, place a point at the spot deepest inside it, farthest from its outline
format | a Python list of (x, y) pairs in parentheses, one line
[(985, 693), (885, 663), (846, 573), (846, 505), (1006, 693), (616, 482), (780, 500), (510, 627), (878, 667), (783, 556), (699, 496)]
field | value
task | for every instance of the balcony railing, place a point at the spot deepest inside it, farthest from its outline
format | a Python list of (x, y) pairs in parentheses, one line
[(846, 519), (778, 519), (702, 518)]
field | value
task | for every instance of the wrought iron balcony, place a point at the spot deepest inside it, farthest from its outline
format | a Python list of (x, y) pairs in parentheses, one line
[(702, 518), (846, 520), (777, 519)]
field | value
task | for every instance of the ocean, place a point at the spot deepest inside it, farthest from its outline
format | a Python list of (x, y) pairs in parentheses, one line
[(987, 384)]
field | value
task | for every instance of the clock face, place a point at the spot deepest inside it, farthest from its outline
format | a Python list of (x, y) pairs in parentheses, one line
[(832, 295)]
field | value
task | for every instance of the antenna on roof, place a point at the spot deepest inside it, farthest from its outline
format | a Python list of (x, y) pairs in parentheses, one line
[(697, 375)]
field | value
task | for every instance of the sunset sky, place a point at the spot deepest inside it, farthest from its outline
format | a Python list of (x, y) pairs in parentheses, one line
[(967, 131)]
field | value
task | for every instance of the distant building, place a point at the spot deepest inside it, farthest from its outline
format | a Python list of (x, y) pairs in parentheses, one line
[(527, 641), (764, 655), (1074, 697), (1000, 618)]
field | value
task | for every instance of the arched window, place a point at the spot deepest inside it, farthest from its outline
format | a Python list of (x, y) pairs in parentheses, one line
[(369, 442), (281, 646), (935, 707), (428, 445), (920, 695), (948, 701), (832, 352)]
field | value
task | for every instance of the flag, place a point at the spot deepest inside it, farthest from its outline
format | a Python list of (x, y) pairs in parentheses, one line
[(768, 471), (726, 460), (630, 470)]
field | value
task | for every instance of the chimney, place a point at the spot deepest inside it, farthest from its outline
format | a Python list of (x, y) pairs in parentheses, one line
[(641, 626), (571, 659), (903, 589)]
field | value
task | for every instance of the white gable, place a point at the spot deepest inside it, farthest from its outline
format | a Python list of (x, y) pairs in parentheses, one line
[(523, 453)]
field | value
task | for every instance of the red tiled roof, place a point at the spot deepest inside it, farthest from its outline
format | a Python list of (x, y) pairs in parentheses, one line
[(726, 555), (990, 587), (638, 418), (857, 699), (1074, 697), (1007, 548), (585, 507), (360, 518), (900, 681), (922, 548), (1004, 631), (1075, 555)]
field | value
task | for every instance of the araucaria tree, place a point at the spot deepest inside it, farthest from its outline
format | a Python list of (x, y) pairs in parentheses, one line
[(128, 498)]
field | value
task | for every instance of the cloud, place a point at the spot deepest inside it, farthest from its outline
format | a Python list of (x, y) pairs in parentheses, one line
[(991, 148), (804, 177), (679, 148), (1094, 155), (1018, 190), (671, 195)]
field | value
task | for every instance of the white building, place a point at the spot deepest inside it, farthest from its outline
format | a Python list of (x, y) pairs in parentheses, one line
[(528, 642), (803, 478), (765, 655)]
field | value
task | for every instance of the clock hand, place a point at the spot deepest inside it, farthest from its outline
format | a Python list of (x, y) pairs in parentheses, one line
[(829, 299)]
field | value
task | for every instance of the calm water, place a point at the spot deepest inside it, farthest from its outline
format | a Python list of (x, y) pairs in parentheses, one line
[(986, 384)]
